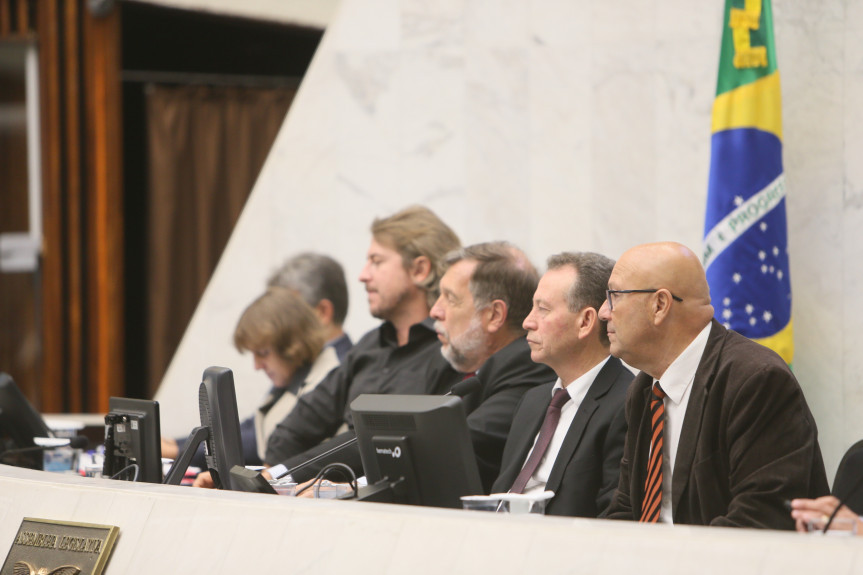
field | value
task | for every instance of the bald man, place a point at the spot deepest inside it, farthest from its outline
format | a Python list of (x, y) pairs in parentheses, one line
[(719, 432)]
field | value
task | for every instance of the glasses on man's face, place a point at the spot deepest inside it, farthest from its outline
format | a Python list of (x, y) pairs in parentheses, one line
[(610, 293)]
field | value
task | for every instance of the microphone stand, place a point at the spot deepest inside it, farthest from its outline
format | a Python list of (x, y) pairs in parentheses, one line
[(320, 456)]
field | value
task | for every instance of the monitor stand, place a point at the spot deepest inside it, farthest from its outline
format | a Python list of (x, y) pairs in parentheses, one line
[(383, 491), (178, 470)]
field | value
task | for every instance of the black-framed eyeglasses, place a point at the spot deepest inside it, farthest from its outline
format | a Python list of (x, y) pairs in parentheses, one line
[(611, 292)]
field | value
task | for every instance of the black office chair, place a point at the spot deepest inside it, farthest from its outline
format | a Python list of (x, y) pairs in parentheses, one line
[(848, 484)]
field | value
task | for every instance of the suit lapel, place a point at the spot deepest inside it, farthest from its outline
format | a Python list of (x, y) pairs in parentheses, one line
[(693, 417), (600, 386), (638, 465), (526, 440)]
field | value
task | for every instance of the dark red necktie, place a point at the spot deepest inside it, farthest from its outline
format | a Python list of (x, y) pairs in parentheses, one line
[(549, 425), (652, 502)]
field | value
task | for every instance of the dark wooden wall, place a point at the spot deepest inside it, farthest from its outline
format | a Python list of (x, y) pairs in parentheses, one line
[(86, 301), (81, 265), (20, 343)]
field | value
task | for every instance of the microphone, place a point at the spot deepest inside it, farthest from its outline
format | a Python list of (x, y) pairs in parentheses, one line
[(77, 442), (465, 387)]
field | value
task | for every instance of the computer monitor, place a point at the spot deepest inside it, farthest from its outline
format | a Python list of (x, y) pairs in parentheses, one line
[(19, 424), (219, 430), (133, 437), (420, 445)]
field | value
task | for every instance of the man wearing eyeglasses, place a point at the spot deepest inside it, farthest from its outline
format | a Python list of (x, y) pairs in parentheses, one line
[(719, 432)]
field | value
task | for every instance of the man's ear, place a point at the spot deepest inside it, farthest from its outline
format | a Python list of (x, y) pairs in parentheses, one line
[(324, 310), (420, 270), (496, 312), (662, 302), (586, 321)]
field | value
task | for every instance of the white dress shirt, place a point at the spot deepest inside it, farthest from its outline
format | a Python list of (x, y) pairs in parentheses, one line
[(676, 382), (577, 390)]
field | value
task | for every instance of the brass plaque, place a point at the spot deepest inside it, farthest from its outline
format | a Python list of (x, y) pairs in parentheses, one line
[(44, 547)]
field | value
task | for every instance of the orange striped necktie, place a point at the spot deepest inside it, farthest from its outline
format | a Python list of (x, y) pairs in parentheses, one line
[(652, 502)]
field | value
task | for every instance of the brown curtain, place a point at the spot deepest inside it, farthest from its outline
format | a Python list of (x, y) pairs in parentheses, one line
[(206, 148)]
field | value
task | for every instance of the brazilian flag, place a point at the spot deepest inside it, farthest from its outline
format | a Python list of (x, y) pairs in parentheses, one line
[(745, 229)]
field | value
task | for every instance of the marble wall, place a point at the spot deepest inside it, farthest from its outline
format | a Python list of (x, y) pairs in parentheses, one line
[(557, 125)]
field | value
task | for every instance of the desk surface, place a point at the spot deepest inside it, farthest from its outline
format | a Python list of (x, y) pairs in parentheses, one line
[(166, 529)]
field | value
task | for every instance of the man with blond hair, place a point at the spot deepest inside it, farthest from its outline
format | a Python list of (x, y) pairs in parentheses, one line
[(402, 355), (719, 432)]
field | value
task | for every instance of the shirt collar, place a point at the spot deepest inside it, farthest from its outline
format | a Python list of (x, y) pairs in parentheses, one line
[(680, 374), (578, 388), (341, 344), (388, 337)]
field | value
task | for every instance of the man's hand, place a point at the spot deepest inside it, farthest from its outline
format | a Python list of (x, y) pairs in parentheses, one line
[(205, 480), (170, 449), (820, 510), (308, 493)]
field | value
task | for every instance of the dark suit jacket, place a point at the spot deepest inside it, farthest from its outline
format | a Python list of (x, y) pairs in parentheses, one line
[(747, 445), (587, 468)]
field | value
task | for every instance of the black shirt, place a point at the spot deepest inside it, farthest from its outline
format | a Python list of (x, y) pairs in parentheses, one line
[(376, 364)]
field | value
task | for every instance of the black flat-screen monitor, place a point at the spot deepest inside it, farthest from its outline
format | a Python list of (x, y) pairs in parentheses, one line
[(133, 437), (219, 430), (19, 424), (421, 444)]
